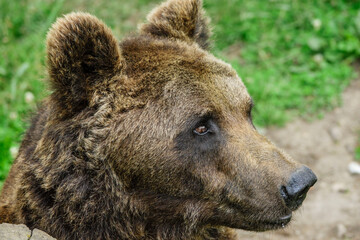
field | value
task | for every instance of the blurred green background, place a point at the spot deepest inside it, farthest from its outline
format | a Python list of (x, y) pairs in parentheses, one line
[(295, 56)]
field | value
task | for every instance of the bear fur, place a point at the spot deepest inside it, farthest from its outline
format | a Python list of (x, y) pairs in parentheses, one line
[(149, 138)]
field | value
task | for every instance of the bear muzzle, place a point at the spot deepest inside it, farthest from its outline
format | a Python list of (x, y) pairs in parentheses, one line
[(294, 193)]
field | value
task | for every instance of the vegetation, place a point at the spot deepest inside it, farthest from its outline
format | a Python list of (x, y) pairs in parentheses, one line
[(293, 55)]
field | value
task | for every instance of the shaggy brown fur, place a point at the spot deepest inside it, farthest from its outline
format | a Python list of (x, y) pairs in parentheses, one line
[(112, 153)]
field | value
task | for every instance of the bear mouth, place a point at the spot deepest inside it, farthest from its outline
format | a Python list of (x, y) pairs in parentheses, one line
[(279, 223), (235, 217), (260, 226)]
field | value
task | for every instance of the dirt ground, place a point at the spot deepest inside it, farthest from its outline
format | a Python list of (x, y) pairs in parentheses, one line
[(332, 208)]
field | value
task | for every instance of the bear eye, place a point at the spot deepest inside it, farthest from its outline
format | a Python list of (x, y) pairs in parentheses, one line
[(201, 130)]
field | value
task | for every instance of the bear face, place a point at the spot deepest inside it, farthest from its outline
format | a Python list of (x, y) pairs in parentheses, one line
[(226, 163), (150, 138)]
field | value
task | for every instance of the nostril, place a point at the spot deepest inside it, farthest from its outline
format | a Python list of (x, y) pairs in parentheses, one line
[(302, 194), (299, 184)]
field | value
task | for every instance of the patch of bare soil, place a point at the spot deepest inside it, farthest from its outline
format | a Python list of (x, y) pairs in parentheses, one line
[(332, 208)]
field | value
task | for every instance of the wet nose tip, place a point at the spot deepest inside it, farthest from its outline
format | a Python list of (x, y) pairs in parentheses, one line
[(295, 191)]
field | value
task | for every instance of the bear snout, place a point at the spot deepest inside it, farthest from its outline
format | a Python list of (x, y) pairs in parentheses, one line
[(299, 184)]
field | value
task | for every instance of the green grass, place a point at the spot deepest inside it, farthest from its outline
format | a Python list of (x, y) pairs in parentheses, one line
[(293, 55), (23, 26)]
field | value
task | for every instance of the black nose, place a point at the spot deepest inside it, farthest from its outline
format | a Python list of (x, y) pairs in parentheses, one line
[(295, 191)]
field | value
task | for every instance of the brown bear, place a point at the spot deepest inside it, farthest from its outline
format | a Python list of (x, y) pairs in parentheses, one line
[(149, 138)]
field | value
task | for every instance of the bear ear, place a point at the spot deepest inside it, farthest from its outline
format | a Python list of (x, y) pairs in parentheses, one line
[(179, 19), (82, 53)]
